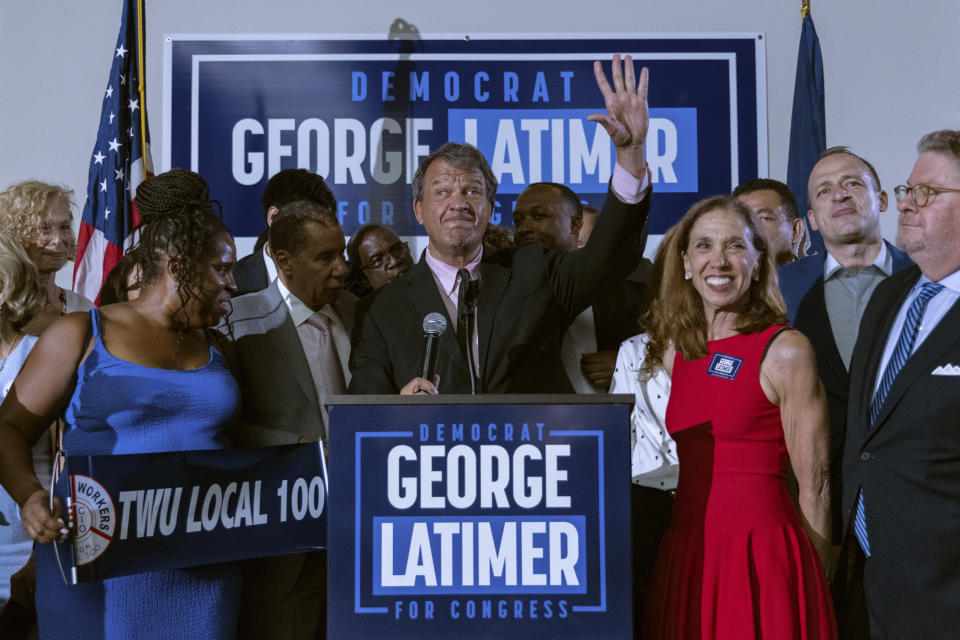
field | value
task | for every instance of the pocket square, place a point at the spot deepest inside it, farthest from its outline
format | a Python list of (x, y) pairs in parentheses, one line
[(947, 370)]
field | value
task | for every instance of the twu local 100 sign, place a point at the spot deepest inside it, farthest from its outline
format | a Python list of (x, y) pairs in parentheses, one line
[(480, 520), (364, 112)]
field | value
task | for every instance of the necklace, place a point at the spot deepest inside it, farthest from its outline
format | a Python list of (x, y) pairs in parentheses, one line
[(13, 347)]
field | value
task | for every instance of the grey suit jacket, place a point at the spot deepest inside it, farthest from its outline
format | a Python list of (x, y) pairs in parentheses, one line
[(280, 402), (280, 405)]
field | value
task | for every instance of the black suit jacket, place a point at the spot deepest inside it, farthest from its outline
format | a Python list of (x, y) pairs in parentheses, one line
[(908, 465), (801, 283), (616, 313), (525, 307), (250, 272)]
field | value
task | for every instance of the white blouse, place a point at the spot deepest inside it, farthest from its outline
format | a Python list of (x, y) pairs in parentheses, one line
[(654, 453)]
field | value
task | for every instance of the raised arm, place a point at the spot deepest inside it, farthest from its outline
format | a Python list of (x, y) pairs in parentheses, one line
[(37, 396), (789, 378)]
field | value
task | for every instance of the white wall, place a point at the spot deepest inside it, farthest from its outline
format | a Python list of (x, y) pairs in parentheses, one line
[(890, 67)]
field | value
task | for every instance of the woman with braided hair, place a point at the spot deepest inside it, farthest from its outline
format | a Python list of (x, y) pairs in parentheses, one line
[(142, 376), (156, 196)]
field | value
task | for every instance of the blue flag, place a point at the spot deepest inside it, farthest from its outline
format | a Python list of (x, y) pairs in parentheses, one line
[(808, 126), (120, 160)]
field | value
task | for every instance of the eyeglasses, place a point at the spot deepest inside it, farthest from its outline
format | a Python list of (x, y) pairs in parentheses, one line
[(922, 194), (398, 251)]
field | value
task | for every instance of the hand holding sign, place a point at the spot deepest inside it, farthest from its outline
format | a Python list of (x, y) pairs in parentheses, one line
[(39, 523), (627, 118)]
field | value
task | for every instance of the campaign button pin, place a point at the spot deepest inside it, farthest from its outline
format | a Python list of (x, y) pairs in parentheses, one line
[(724, 366)]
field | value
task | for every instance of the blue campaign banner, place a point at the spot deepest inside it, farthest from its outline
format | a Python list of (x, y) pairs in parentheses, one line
[(363, 112), (142, 512), (480, 518)]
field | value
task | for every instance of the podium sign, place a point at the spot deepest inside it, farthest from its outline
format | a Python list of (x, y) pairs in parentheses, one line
[(456, 517)]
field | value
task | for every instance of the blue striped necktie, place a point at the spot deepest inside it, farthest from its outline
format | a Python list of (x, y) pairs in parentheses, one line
[(908, 336)]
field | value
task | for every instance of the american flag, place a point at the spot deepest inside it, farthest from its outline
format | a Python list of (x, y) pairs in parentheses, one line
[(120, 160)]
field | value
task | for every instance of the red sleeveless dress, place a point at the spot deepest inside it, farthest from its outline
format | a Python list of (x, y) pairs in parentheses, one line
[(735, 563)]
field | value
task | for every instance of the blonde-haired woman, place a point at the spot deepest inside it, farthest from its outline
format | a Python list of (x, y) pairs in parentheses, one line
[(20, 297), (38, 216)]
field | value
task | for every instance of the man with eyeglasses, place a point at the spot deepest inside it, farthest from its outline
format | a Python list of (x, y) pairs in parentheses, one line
[(827, 294), (902, 456)]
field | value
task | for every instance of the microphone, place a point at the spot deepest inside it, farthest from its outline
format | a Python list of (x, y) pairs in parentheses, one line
[(434, 324)]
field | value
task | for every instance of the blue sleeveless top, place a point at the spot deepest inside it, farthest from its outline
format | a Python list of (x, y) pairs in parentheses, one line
[(120, 407)]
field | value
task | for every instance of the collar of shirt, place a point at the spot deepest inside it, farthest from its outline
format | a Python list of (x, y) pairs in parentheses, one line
[(268, 263), (447, 274), (951, 282), (300, 312), (883, 262)]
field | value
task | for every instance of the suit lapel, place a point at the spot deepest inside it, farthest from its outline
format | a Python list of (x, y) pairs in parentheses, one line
[(922, 360), (285, 339), (493, 284), (422, 291)]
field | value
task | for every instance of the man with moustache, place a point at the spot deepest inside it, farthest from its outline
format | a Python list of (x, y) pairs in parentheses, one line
[(510, 331), (256, 271), (902, 457), (292, 345)]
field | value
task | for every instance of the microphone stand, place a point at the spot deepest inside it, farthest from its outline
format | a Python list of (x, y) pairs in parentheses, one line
[(468, 315)]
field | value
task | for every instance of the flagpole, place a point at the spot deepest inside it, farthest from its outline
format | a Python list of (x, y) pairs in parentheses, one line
[(140, 85)]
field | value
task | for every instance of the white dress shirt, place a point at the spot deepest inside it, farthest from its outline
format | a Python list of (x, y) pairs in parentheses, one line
[(580, 338)]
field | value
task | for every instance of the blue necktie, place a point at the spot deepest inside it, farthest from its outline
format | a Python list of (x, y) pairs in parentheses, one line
[(908, 336)]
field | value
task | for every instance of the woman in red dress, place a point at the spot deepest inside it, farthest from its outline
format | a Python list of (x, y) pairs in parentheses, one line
[(738, 560)]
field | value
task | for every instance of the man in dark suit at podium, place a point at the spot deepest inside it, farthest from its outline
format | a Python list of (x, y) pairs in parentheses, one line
[(901, 462), (256, 271), (523, 308)]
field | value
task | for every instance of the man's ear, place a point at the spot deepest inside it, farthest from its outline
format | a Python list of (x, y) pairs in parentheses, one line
[(282, 260), (271, 214), (812, 220), (575, 223), (882, 197), (798, 229), (417, 208)]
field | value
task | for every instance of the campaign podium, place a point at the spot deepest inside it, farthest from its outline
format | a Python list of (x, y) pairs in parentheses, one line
[(494, 516)]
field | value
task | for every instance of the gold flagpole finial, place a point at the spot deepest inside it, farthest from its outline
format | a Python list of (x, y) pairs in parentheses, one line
[(804, 9)]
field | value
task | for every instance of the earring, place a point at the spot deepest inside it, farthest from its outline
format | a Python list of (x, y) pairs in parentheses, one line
[(687, 276)]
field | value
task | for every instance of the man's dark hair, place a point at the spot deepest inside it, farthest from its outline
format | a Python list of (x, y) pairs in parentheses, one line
[(291, 185), (833, 151), (782, 190), (458, 156), (571, 199), (287, 231)]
